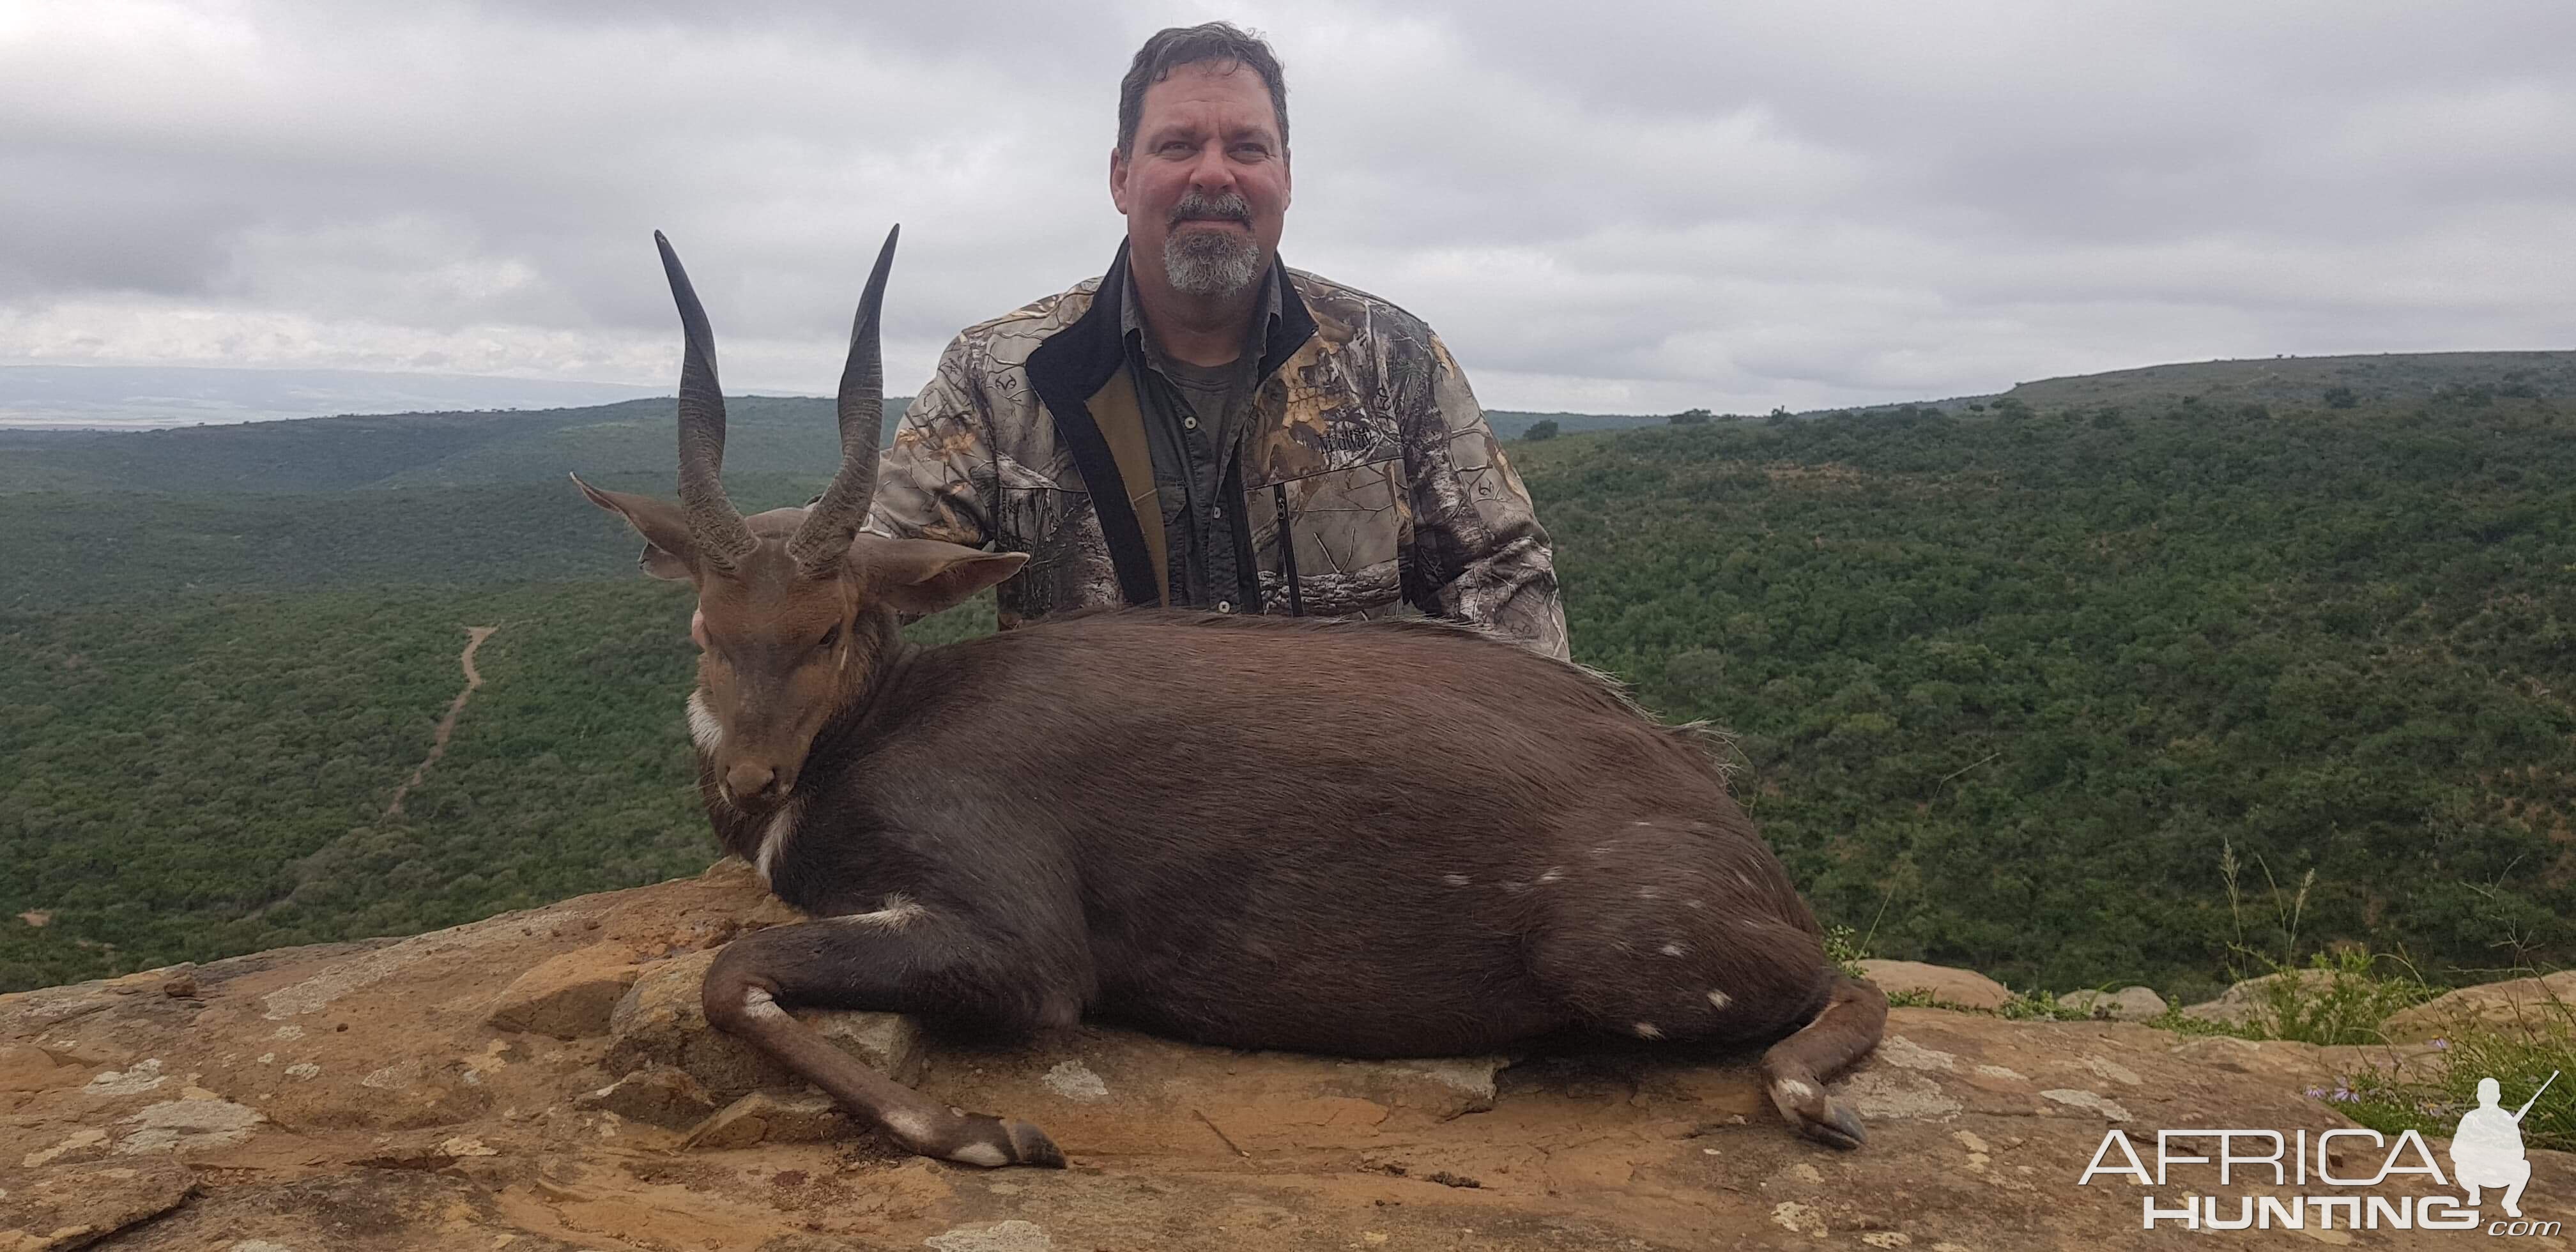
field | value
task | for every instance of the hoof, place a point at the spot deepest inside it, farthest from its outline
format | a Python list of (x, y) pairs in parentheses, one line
[(1032, 1147), (994, 1142), (1817, 1115), (1838, 1128)]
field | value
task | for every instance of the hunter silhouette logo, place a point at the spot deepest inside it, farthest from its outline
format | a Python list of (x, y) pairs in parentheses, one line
[(2486, 1151)]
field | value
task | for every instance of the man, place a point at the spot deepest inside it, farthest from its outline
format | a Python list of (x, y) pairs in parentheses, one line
[(1202, 427)]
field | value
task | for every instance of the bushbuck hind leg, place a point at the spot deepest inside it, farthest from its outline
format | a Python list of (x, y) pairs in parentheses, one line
[(1794, 1069), (901, 960), (1677, 931)]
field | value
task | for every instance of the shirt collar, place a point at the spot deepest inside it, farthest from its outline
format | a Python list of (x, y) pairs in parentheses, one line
[(1271, 307)]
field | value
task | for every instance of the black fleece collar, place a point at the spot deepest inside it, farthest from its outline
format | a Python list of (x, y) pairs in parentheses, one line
[(1076, 362)]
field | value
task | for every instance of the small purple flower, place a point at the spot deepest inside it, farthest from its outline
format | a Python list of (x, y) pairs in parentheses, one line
[(2316, 1093), (2441, 1045)]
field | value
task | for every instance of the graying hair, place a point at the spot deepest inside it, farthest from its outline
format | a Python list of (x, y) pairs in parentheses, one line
[(1175, 46)]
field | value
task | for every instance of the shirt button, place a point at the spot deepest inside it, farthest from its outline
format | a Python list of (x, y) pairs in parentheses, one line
[(1217, 512), (1189, 423), (1224, 606)]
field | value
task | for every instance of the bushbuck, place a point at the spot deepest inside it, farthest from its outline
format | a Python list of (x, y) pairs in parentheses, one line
[(1364, 838)]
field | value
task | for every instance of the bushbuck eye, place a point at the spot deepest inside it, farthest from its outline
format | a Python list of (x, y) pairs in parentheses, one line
[(830, 637)]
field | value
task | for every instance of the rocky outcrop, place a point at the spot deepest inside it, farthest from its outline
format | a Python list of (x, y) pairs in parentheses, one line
[(465, 1090), (2250, 999), (2527, 1005), (1963, 988)]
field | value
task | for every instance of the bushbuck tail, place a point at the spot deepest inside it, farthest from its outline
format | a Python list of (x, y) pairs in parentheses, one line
[(1365, 838)]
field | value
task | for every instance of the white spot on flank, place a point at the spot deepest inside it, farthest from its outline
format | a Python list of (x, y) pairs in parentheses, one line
[(1454, 880), (1648, 1030), (1694, 904), (704, 729), (1553, 874), (898, 912), (983, 1154), (774, 839), (1719, 999), (760, 1005), (1650, 893), (1674, 949)]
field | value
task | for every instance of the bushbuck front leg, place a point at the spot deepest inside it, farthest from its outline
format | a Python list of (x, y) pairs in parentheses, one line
[(896, 960)]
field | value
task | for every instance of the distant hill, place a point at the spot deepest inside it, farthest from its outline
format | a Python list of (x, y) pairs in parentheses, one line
[(780, 435), (1512, 425), (791, 435), (2304, 381), (143, 397)]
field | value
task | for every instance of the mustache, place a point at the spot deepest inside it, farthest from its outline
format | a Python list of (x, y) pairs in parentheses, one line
[(1230, 207)]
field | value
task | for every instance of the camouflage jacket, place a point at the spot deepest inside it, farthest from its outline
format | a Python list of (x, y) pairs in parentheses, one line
[(1364, 449)]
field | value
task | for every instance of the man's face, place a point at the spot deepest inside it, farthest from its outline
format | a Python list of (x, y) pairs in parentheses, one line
[(1205, 187)]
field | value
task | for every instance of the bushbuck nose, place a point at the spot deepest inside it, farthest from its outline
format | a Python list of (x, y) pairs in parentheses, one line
[(750, 780)]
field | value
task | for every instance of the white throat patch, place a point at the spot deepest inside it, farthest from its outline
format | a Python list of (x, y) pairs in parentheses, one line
[(704, 729), (773, 839)]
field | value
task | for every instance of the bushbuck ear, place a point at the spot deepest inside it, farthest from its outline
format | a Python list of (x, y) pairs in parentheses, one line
[(924, 576), (664, 527)]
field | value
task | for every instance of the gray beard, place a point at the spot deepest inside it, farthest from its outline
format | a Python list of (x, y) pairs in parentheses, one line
[(1210, 262)]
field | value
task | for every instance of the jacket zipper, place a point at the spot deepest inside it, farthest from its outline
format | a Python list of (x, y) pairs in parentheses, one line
[(1287, 550)]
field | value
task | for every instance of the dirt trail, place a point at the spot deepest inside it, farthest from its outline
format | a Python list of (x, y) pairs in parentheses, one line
[(446, 725)]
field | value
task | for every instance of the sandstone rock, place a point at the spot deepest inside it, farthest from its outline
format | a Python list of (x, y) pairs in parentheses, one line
[(2128, 1004), (660, 1021), (1965, 988), (2529, 1005), (74, 1206), (570, 996), (2246, 1000), (296, 1128), (656, 1095), (768, 1117), (23, 1068)]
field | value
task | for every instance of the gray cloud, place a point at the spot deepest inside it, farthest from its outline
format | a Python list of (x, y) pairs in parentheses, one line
[(1637, 207)]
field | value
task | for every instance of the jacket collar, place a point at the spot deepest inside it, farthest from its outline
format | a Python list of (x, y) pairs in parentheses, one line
[(1073, 365), (1081, 357)]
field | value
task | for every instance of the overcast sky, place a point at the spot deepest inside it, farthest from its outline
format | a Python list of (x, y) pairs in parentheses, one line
[(1602, 207)]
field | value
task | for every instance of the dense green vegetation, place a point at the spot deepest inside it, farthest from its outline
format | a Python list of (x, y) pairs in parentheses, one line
[(201, 776), (2007, 684)]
